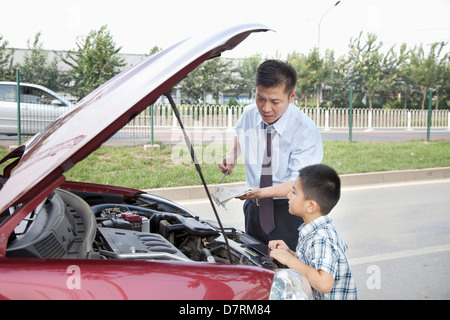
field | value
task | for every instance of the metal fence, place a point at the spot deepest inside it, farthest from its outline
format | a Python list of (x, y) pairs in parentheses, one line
[(191, 116), (36, 115), (223, 117), (40, 106), (377, 118)]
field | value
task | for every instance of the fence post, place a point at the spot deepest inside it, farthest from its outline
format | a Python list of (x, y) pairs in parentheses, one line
[(350, 116), (369, 120), (151, 115), (429, 116), (230, 118), (409, 121), (19, 136), (327, 116), (448, 120), (174, 122)]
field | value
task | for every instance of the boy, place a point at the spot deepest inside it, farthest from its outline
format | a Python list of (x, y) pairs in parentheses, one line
[(320, 255)]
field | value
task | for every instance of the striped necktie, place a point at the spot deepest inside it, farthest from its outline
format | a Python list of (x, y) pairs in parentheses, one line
[(266, 217)]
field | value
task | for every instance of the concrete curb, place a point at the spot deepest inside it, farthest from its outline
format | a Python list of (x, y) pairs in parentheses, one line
[(347, 180)]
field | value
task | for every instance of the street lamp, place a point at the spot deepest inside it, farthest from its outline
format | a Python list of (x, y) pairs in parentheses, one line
[(319, 85), (318, 27)]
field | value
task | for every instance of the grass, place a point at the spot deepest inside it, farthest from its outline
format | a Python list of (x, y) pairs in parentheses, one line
[(360, 157), (171, 166)]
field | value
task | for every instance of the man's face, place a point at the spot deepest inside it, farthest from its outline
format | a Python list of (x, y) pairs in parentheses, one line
[(273, 102)]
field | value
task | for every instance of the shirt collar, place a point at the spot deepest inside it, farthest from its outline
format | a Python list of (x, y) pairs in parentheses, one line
[(281, 123), (308, 228)]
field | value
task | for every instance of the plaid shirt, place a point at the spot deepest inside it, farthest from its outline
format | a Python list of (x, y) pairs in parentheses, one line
[(319, 246)]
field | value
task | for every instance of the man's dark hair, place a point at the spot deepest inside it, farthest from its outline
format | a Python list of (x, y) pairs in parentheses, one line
[(272, 73), (322, 184)]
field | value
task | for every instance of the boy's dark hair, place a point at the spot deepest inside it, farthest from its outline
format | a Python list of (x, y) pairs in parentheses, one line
[(322, 184), (272, 73)]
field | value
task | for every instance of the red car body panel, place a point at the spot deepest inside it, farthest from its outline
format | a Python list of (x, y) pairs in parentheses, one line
[(121, 279), (93, 187), (71, 138), (61, 279)]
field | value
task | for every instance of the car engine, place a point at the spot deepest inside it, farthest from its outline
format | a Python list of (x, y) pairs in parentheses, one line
[(88, 225)]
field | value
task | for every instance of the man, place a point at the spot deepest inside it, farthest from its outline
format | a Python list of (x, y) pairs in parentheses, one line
[(276, 139)]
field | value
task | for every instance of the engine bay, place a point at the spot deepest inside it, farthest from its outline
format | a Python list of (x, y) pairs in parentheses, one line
[(88, 225)]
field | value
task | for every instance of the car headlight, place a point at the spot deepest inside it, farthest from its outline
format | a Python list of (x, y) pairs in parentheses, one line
[(289, 284)]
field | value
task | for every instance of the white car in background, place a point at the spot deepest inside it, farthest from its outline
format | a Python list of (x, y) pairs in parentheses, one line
[(39, 106)]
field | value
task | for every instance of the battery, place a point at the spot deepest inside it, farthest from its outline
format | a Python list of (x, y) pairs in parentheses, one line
[(133, 219)]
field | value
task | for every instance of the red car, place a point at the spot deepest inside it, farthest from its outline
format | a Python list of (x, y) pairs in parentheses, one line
[(72, 240)]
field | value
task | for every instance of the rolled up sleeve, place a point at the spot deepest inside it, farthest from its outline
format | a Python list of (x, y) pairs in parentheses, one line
[(307, 150)]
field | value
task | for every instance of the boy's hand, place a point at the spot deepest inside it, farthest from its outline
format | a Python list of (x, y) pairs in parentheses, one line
[(281, 255), (278, 244), (280, 251)]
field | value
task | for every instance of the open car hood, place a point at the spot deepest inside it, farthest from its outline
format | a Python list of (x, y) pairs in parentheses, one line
[(98, 116)]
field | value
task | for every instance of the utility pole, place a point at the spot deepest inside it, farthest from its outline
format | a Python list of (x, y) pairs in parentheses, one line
[(319, 85)]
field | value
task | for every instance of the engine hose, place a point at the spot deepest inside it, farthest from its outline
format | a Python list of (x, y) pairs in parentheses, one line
[(209, 256)]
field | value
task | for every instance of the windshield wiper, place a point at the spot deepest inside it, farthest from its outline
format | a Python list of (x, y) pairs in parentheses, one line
[(199, 169)]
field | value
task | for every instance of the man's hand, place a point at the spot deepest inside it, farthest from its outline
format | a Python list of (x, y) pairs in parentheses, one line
[(254, 194), (227, 164), (229, 161)]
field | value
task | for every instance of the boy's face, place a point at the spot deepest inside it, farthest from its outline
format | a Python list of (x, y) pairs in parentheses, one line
[(273, 102), (297, 202)]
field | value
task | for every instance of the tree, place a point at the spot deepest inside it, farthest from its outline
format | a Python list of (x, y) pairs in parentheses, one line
[(405, 84), (191, 86), (426, 70), (6, 61), (308, 71), (367, 61), (212, 76), (95, 61), (326, 66), (314, 66), (247, 72), (444, 82), (338, 83), (36, 68), (154, 50)]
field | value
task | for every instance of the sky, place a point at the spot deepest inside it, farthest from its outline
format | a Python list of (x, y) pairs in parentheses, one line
[(138, 25)]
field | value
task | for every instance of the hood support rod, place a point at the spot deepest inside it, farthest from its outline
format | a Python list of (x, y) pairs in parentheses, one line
[(199, 169)]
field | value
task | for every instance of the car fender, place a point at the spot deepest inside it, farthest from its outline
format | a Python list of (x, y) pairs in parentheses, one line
[(125, 279)]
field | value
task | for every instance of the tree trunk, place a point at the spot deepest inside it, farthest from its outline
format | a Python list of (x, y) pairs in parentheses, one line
[(424, 93), (437, 100), (318, 94), (204, 97)]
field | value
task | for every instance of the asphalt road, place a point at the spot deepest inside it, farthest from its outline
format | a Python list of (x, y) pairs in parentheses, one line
[(398, 237), (386, 134)]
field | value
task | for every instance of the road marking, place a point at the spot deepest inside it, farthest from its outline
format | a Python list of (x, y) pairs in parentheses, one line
[(398, 255), (393, 184)]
